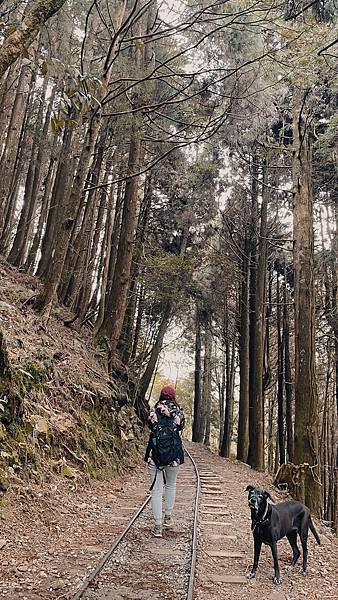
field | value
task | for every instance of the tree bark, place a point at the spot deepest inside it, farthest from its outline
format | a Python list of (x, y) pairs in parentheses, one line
[(18, 42), (306, 398), (252, 297), (22, 237), (198, 426), (256, 452), (229, 402), (60, 189), (13, 133), (280, 377), (243, 409), (288, 374), (206, 389)]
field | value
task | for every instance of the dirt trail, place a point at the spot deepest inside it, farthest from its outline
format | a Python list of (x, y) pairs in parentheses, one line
[(236, 537), (53, 536)]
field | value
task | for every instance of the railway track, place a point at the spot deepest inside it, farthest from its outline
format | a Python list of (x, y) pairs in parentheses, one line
[(140, 567)]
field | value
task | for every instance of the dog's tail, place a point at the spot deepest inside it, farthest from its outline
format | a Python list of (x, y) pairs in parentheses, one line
[(312, 527)]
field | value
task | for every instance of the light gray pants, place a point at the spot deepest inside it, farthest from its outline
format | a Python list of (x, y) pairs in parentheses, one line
[(157, 491)]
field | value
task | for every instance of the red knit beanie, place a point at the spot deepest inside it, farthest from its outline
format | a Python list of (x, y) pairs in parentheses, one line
[(168, 392)]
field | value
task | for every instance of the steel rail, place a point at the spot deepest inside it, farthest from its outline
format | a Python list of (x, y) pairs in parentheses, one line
[(97, 570), (85, 584), (194, 536)]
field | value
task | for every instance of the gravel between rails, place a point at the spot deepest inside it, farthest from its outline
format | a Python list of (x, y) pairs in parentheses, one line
[(148, 568)]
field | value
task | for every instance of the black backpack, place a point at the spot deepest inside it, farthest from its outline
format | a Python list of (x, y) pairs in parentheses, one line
[(165, 442)]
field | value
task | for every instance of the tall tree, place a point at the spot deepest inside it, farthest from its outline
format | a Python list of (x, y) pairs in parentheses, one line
[(306, 431), (256, 452)]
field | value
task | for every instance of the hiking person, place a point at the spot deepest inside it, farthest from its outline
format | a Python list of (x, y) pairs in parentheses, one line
[(164, 455)]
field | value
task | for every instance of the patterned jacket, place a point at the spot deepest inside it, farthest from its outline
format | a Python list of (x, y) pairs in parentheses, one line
[(167, 408)]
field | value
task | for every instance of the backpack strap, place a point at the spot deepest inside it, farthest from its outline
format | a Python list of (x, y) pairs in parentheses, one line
[(147, 454), (154, 480)]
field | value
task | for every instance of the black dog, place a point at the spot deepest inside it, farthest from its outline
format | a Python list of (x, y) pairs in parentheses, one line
[(271, 523)]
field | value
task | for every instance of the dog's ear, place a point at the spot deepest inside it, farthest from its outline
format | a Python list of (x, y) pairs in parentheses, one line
[(267, 495), (249, 488)]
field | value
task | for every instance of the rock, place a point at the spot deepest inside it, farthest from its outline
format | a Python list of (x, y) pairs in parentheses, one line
[(5, 306), (3, 480), (68, 472), (58, 584), (22, 568), (43, 574), (40, 424), (2, 543)]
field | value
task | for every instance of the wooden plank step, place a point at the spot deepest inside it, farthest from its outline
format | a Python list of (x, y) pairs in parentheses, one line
[(215, 513), (232, 579), (220, 523), (216, 537), (225, 554), (212, 493)]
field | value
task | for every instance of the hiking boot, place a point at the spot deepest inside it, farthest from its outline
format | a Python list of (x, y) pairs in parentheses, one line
[(167, 522), (157, 530)]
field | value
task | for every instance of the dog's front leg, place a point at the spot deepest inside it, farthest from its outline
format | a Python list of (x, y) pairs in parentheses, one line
[(257, 551), (277, 578)]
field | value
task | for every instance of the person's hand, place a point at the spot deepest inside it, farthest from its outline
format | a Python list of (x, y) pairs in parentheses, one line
[(153, 417)]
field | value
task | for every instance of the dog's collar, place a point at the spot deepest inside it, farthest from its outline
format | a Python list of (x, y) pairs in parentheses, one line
[(264, 519), (265, 512)]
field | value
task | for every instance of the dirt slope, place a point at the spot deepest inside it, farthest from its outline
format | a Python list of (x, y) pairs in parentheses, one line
[(60, 414)]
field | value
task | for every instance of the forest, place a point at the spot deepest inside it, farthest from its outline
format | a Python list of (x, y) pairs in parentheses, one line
[(172, 164)]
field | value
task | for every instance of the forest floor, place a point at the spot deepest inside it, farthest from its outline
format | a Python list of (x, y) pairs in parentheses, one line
[(52, 535)]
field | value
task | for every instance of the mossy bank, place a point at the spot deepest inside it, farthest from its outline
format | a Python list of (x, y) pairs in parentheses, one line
[(60, 413)]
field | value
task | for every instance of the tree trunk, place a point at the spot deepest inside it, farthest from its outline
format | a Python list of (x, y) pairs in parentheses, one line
[(60, 187), (243, 409), (22, 236), (280, 377), (198, 427), (31, 261), (229, 402), (13, 133), (288, 374), (157, 347), (221, 403), (109, 332), (126, 340), (21, 38), (257, 459), (271, 436), (206, 389), (252, 299), (306, 398), (110, 256)]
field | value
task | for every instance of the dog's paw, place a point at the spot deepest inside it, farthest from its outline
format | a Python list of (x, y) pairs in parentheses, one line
[(278, 580), (302, 571), (251, 575)]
